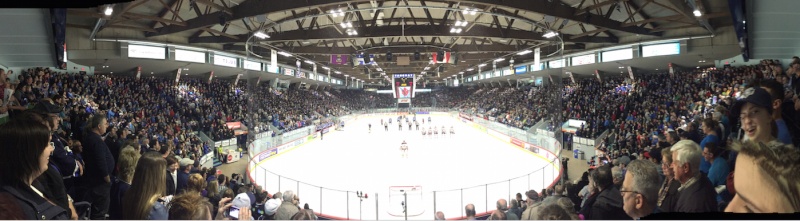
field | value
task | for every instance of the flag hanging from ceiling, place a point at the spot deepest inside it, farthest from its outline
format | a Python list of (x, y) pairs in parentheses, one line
[(339, 59), (442, 57)]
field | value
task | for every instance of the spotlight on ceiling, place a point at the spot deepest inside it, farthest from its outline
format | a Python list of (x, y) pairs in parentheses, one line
[(261, 35)]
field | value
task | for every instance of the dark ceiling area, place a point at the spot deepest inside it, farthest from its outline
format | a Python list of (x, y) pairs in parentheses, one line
[(475, 31)]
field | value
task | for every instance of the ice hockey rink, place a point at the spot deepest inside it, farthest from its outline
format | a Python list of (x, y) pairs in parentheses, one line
[(467, 167)]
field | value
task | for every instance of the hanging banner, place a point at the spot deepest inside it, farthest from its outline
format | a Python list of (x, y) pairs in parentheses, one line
[(211, 77), (238, 76), (178, 76), (630, 72), (258, 81), (315, 69), (671, 71), (273, 58), (339, 59), (570, 77), (138, 72), (551, 78), (597, 73), (537, 57)]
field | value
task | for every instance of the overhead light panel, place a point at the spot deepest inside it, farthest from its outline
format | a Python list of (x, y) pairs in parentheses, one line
[(427, 68), (524, 52), (481, 65), (471, 69), (336, 13), (338, 72), (261, 35), (109, 10), (461, 72), (499, 59), (285, 54), (697, 13), (326, 68), (550, 34), (351, 32), (308, 62), (455, 30)]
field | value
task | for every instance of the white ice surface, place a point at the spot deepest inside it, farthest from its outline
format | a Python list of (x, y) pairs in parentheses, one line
[(356, 159)]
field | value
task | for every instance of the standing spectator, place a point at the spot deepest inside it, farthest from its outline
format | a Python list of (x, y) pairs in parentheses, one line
[(502, 206), (640, 189), (532, 203), (439, 216), (25, 156), (696, 194), (606, 203), (777, 95), (718, 172), (710, 128), (272, 205), (172, 175), (514, 208), (213, 195), (190, 206), (196, 183), (145, 199), (766, 179), (755, 113), (289, 206), (99, 165), (183, 174), (128, 158), (668, 194), (553, 212)]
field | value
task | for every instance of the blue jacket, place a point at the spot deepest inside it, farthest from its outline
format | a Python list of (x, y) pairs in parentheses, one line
[(183, 182)]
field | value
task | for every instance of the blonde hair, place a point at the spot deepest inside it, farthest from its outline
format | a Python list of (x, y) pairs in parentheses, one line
[(779, 161), (196, 183), (128, 158), (150, 176)]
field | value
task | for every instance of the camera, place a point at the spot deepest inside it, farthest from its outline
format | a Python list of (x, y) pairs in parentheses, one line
[(233, 212)]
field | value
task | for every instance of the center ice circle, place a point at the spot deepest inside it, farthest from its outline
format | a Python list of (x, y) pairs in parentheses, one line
[(327, 172)]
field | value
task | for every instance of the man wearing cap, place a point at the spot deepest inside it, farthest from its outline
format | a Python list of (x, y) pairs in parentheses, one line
[(533, 204), (777, 93), (183, 174)]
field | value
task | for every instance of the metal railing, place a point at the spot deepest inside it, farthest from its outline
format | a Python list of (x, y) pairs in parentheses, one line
[(385, 204)]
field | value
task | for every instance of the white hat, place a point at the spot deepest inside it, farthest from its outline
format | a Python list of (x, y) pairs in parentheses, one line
[(241, 200), (186, 162), (272, 206)]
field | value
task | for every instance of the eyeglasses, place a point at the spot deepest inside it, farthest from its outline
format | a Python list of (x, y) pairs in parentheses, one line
[(622, 192)]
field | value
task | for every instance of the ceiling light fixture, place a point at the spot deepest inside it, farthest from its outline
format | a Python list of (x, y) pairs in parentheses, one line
[(308, 62), (338, 72), (524, 52), (326, 68), (109, 10), (285, 54), (261, 35), (697, 13), (499, 59), (550, 34), (471, 69), (481, 65)]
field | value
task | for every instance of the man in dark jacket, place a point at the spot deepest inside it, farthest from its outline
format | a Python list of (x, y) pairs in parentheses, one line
[(172, 175), (183, 174), (99, 165), (696, 194), (607, 203)]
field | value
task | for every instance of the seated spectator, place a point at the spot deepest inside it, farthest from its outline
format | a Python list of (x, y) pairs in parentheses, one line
[(502, 206), (568, 206), (718, 172), (25, 156), (272, 205), (469, 211), (696, 194), (777, 96), (606, 203), (190, 206), (213, 195), (514, 208), (532, 205), (755, 113), (145, 199), (126, 166), (303, 215), (640, 189), (498, 215), (709, 127), (439, 216), (553, 212), (766, 179)]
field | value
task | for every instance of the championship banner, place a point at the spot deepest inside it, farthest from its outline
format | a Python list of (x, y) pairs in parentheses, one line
[(178, 76), (403, 86), (630, 72), (211, 77), (238, 76), (258, 81), (138, 72), (273, 60), (537, 57), (597, 73), (671, 71), (570, 77), (551, 78), (340, 59)]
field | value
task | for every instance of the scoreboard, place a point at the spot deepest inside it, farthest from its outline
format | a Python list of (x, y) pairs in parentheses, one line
[(403, 87)]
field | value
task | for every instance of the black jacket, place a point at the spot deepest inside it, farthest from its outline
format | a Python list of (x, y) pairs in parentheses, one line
[(52, 186), (170, 184), (33, 206), (699, 197), (607, 205), (670, 201), (98, 159), (62, 159)]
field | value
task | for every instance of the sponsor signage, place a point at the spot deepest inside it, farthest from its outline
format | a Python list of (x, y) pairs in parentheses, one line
[(288, 71), (225, 61), (661, 49), (252, 65), (616, 55), (556, 63), (268, 154), (404, 100), (517, 142), (520, 69), (151, 52), (583, 59), (190, 56)]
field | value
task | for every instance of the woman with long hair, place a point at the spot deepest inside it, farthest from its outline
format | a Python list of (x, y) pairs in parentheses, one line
[(126, 166), (213, 195), (26, 150), (144, 199)]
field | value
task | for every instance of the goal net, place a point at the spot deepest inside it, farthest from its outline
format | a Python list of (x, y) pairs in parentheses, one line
[(413, 200)]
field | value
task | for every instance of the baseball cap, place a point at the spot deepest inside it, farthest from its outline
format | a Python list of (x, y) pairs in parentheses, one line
[(186, 162), (532, 194), (241, 200), (272, 206), (754, 95)]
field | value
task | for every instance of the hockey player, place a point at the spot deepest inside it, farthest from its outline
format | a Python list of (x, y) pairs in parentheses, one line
[(409, 125), (452, 131), (370, 127), (386, 126), (429, 119), (399, 125), (416, 124), (404, 149)]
